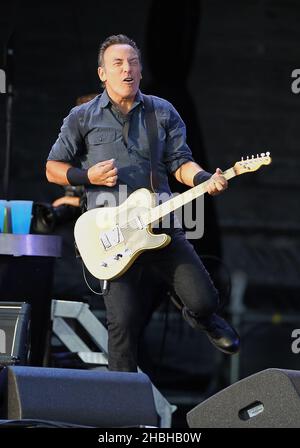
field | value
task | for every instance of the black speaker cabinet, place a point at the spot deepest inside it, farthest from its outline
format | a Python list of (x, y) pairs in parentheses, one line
[(268, 399), (14, 332), (82, 397)]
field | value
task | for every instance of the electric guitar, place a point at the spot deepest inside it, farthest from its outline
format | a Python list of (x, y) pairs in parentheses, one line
[(110, 239)]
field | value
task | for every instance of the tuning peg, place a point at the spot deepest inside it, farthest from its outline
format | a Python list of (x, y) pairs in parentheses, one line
[(242, 159), (252, 156), (257, 156), (262, 154), (267, 153)]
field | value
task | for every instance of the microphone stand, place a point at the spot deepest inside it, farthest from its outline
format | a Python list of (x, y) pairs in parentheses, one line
[(9, 69)]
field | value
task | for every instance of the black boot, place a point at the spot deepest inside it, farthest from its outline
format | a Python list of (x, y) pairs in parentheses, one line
[(219, 332)]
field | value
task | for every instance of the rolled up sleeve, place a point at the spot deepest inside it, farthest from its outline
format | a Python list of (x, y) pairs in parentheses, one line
[(177, 151), (69, 143)]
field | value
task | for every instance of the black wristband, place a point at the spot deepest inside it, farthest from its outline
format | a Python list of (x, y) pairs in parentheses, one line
[(77, 176), (201, 176)]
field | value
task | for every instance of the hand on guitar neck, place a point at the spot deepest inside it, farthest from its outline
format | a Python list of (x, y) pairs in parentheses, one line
[(217, 183)]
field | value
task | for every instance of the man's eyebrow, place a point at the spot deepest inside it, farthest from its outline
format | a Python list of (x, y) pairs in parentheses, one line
[(135, 58)]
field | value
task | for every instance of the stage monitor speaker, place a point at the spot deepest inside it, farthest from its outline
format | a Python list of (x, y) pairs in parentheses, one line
[(268, 399), (83, 397), (14, 332)]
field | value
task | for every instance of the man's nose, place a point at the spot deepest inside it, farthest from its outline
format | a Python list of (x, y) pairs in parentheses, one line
[(126, 66)]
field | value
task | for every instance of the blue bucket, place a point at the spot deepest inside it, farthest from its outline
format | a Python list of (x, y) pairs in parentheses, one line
[(21, 213)]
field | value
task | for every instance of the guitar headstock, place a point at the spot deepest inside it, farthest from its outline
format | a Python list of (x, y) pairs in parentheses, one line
[(252, 164)]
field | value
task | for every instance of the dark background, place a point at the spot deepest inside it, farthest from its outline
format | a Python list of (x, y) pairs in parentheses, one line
[(226, 66)]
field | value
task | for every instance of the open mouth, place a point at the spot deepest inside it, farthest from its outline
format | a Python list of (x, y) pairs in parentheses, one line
[(128, 80)]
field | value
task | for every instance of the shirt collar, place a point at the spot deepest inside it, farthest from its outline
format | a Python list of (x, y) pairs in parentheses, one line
[(105, 100)]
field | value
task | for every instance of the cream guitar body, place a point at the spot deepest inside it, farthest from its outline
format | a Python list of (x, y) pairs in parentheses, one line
[(109, 239)]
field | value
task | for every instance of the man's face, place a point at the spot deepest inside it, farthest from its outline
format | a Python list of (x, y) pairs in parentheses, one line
[(121, 71)]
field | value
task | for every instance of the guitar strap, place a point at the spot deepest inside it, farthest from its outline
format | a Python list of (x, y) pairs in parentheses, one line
[(152, 132)]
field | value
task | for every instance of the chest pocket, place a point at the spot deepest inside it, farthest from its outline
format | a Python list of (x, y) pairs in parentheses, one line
[(101, 145), (101, 136)]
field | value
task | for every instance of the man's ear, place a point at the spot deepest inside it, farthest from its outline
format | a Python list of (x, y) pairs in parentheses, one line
[(101, 74)]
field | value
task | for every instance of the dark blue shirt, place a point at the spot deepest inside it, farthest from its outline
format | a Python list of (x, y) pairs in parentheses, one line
[(94, 132)]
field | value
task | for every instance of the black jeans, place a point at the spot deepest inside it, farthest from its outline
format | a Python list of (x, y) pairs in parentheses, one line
[(179, 265)]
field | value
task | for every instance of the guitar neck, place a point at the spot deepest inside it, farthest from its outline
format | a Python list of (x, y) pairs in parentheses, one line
[(176, 202)]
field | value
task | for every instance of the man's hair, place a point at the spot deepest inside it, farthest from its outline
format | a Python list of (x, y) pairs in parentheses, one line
[(115, 40)]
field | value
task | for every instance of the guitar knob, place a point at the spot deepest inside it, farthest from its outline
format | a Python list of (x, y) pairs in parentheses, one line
[(103, 265)]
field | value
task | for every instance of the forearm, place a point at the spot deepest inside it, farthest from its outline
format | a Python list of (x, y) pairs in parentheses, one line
[(186, 172), (56, 172), (62, 173)]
